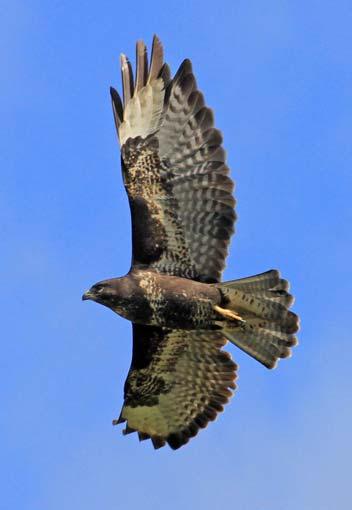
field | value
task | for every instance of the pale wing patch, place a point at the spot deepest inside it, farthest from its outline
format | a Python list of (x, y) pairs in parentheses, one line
[(178, 381), (175, 172), (146, 419), (142, 114)]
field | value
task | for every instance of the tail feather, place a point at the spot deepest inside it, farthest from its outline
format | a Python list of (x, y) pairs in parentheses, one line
[(263, 281), (268, 327), (277, 296), (259, 343)]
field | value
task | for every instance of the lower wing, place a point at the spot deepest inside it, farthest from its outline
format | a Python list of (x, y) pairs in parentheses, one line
[(178, 381)]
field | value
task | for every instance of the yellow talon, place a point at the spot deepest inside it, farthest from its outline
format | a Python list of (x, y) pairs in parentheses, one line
[(228, 314)]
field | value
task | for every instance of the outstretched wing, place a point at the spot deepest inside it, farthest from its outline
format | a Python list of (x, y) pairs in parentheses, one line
[(174, 170), (178, 381)]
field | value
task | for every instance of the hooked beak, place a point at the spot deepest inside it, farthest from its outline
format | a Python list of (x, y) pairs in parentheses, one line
[(87, 295)]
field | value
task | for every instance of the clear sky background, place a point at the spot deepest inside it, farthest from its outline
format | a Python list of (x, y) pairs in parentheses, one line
[(278, 75)]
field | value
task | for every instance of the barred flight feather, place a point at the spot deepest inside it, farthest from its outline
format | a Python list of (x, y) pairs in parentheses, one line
[(174, 170), (180, 386), (182, 209)]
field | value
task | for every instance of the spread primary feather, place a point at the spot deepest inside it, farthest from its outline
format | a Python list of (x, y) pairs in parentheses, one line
[(182, 210)]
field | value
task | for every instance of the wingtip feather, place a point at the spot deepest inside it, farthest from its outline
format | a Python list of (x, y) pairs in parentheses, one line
[(117, 107), (127, 78), (157, 59), (141, 66)]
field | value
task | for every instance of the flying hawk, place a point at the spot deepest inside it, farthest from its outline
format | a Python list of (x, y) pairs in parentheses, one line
[(180, 194)]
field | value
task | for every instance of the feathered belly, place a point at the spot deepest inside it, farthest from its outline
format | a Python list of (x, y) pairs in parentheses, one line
[(177, 311), (178, 303)]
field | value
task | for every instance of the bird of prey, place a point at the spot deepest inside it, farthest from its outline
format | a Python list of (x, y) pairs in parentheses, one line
[(182, 209)]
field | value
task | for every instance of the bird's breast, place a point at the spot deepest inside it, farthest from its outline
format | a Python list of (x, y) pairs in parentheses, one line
[(172, 302)]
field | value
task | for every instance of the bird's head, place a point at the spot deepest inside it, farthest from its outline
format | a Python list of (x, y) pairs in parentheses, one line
[(101, 292), (113, 293)]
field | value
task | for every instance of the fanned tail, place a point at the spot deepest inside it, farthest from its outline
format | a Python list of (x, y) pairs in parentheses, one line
[(267, 326)]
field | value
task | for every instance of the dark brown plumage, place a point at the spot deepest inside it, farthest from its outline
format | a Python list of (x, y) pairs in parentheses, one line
[(182, 211)]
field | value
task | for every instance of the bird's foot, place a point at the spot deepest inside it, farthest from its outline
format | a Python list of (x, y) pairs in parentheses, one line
[(228, 314)]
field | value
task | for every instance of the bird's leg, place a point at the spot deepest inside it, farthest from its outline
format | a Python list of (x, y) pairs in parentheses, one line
[(228, 314)]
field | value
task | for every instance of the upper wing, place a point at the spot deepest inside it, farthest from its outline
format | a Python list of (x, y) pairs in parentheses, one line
[(178, 381), (174, 170)]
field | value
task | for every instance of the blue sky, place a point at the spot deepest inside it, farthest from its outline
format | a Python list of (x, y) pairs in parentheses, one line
[(278, 75)]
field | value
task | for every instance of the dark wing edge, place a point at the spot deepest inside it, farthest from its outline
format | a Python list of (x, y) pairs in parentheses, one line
[(178, 381), (174, 170)]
